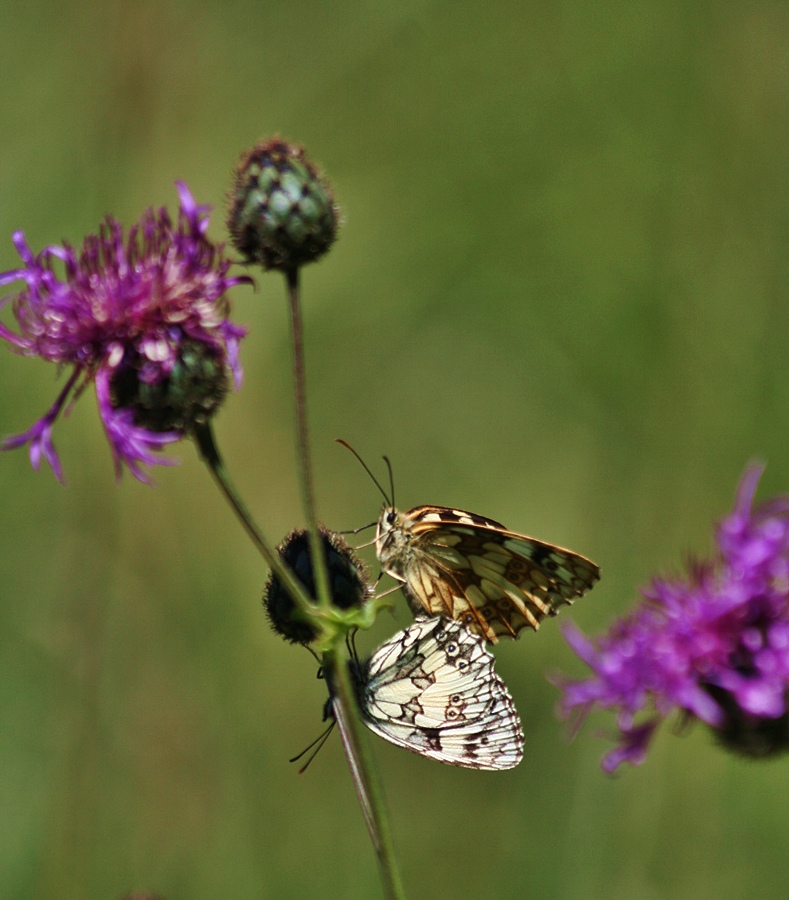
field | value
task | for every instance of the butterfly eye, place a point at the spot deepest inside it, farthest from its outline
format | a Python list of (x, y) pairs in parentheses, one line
[(390, 517)]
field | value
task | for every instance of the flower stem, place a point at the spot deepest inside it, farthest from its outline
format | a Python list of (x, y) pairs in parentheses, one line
[(204, 438), (344, 703), (345, 707), (346, 714), (363, 773), (302, 441)]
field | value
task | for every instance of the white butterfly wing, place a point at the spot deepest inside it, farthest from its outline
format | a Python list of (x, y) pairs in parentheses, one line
[(433, 690)]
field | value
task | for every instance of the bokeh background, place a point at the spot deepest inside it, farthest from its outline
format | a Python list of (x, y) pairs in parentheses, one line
[(559, 299)]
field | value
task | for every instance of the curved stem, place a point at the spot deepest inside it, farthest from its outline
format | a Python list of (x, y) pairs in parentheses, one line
[(206, 444), (345, 709), (302, 441)]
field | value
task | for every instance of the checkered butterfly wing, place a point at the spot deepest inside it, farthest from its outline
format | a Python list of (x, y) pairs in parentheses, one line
[(432, 689), (458, 564)]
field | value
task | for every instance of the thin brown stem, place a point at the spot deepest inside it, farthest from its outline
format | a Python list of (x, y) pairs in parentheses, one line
[(344, 703), (206, 444), (302, 441)]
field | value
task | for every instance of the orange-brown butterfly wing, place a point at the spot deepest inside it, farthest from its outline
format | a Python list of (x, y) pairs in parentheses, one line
[(494, 581)]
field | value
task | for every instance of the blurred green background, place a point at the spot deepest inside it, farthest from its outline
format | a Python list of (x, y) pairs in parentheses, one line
[(559, 299)]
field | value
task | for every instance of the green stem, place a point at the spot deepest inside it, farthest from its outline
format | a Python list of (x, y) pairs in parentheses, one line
[(346, 712), (206, 444), (363, 773), (317, 553)]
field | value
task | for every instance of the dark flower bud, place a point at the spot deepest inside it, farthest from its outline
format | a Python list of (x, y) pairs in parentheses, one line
[(746, 734), (282, 213), (175, 400), (348, 583)]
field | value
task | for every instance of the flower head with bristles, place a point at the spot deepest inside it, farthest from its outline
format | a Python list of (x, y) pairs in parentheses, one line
[(348, 583), (142, 316), (713, 645), (282, 211)]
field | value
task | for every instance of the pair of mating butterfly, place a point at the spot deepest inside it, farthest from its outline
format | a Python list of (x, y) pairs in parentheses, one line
[(432, 688)]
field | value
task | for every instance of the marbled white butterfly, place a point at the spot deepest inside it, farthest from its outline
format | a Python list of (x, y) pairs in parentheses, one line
[(458, 564), (431, 688)]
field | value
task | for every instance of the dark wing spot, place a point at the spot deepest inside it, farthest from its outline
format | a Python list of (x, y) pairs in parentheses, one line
[(541, 555), (432, 737)]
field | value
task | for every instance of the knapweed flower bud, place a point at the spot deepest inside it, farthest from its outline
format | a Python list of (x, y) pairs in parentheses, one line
[(282, 213), (144, 316), (188, 395), (348, 583)]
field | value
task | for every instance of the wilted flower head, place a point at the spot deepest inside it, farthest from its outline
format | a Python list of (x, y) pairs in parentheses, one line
[(145, 317), (348, 583), (713, 645)]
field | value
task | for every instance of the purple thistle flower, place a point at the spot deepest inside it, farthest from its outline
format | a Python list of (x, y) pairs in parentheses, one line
[(144, 317), (713, 645)]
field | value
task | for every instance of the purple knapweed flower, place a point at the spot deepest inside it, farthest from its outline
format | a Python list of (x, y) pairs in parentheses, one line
[(713, 645), (145, 318)]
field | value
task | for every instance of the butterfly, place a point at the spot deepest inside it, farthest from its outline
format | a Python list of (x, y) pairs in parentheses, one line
[(457, 564), (464, 566), (432, 689)]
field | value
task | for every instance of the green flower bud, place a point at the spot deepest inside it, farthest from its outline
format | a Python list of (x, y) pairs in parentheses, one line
[(282, 213), (189, 394)]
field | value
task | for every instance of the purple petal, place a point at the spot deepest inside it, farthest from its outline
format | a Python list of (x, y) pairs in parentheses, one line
[(632, 747), (39, 436), (233, 335), (40, 433)]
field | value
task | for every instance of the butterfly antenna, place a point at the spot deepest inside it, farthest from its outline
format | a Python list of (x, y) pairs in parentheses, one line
[(320, 741), (367, 468), (391, 478)]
